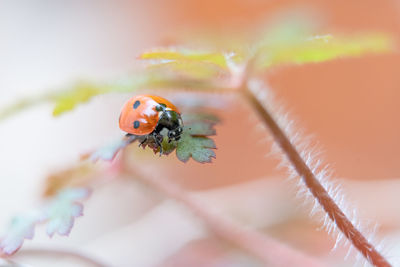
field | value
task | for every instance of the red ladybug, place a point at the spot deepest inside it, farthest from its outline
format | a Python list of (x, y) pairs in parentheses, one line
[(148, 115)]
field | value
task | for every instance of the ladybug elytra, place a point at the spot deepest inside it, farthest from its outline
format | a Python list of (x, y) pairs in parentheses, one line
[(148, 115)]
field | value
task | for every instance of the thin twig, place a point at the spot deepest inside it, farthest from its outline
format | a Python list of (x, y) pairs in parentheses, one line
[(268, 250), (314, 186)]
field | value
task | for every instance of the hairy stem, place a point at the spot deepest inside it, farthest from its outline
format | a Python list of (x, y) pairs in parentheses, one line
[(314, 186), (268, 250)]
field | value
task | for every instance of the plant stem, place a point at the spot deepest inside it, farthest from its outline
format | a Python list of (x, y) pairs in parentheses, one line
[(314, 186), (270, 251)]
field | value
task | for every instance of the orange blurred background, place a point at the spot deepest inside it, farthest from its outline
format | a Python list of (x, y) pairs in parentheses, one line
[(349, 105)]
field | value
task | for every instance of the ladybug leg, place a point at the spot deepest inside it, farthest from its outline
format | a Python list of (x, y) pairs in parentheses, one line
[(158, 138), (144, 141)]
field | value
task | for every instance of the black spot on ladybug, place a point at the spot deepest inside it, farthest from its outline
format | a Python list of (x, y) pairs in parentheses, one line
[(136, 104), (136, 124)]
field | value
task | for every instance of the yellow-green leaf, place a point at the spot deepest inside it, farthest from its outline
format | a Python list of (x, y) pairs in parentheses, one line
[(19, 106), (188, 69), (82, 92), (67, 100), (163, 55), (323, 48)]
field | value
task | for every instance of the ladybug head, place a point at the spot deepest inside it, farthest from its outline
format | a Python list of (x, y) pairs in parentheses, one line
[(175, 134), (172, 121)]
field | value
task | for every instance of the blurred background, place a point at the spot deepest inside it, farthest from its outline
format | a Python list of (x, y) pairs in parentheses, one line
[(350, 106)]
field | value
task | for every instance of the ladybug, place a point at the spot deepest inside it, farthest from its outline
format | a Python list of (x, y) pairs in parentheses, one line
[(146, 116)]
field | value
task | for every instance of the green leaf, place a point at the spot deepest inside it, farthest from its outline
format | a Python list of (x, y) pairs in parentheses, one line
[(62, 211), (323, 48), (187, 63), (195, 143), (59, 215), (188, 69), (162, 55), (67, 100), (20, 228), (82, 92), (19, 106)]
